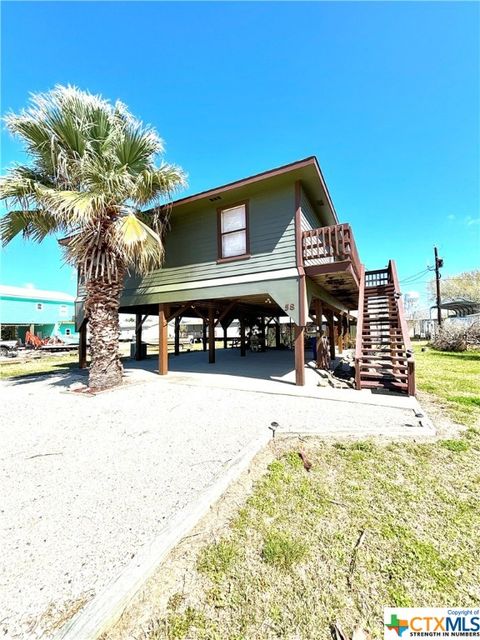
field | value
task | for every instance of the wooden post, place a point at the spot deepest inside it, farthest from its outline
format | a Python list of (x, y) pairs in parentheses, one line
[(262, 334), (340, 333), (138, 336), (277, 333), (225, 341), (204, 335), (177, 335), (346, 330), (242, 338), (318, 319), (82, 346), (211, 335), (299, 344), (318, 313), (162, 340), (331, 333)]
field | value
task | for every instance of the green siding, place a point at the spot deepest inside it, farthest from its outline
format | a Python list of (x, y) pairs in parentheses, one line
[(310, 220), (191, 243)]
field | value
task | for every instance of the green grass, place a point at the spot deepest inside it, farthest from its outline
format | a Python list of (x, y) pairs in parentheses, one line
[(18, 367), (454, 378), (284, 567), (282, 550)]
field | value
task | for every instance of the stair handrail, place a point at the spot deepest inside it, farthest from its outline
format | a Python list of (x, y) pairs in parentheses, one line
[(359, 337), (392, 268)]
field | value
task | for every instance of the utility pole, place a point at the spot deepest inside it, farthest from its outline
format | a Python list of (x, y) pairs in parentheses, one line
[(438, 264)]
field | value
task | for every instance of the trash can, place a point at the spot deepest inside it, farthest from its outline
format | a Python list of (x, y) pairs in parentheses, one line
[(313, 347), (133, 350)]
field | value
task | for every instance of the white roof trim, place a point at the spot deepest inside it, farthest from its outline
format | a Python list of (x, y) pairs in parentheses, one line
[(35, 294)]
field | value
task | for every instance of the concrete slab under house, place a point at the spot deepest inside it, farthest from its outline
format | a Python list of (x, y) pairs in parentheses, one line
[(264, 251)]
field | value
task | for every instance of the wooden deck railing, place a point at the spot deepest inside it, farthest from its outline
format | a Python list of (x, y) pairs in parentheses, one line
[(330, 244), (393, 279), (359, 336)]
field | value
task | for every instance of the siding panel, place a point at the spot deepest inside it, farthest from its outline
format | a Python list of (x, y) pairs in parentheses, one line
[(191, 243), (310, 219)]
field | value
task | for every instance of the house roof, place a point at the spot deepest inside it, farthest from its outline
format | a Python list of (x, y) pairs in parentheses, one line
[(30, 293), (307, 171)]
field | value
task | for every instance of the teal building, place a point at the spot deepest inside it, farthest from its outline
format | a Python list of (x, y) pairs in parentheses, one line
[(45, 313)]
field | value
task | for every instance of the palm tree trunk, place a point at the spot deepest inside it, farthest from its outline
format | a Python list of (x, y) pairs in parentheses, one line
[(101, 308)]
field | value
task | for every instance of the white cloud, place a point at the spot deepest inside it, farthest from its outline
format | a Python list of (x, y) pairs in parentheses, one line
[(451, 217), (469, 221)]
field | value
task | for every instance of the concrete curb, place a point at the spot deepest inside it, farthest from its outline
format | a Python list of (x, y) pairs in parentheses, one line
[(106, 608)]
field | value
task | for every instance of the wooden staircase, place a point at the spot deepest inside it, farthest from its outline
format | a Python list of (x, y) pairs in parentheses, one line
[(383, 355)]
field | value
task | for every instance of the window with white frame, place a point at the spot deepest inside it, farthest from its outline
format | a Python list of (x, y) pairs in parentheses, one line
[(233, 232)]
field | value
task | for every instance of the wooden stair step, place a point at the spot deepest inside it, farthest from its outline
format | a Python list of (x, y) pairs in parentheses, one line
[(390, 359), (378, 334), (384, 366), (387, 331), (379, 376), (394, 386), (368, 337), (375, 353)]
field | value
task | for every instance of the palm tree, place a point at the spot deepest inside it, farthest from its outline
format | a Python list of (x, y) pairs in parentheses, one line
[(93, 169)]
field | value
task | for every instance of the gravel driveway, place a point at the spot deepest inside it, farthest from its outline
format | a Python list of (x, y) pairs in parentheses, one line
[(86, 481)]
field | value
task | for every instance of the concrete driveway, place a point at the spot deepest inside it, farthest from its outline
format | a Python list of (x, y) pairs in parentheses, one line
[(87, 481)]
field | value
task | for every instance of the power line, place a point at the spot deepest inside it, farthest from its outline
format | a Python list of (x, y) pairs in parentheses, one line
[(415, 276)]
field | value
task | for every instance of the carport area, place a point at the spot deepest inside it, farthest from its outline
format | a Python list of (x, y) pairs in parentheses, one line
[(273, 369), (276, 321)]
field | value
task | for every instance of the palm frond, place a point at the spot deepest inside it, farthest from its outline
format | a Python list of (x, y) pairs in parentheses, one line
[(21, 186), (140, 245), (137, 147), (154, 184), (34, 225), (75, 207)]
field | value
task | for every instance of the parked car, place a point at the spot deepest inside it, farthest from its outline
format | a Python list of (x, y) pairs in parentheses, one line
[(9, 348)]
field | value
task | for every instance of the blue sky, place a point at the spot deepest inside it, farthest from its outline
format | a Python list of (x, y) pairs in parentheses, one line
[(386, 95)]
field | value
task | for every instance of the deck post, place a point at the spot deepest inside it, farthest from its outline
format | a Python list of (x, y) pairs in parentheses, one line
[(225, 341), (318, 313), (318, 319), (340, 333), (242, 338), (277, 333), (204, 335), (162, 339), (262, 334), (211, 335), (177, 335), (331, 333), (138, 336), (299, 345), (82, 346)]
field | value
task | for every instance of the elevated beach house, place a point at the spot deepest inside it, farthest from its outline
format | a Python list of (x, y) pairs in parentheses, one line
[(271, 246)]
